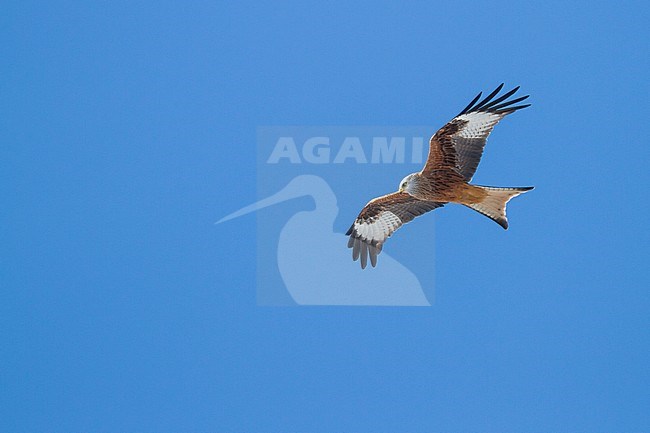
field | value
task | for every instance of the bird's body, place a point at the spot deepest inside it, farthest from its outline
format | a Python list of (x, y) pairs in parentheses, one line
[(454, 153), (444, 185)]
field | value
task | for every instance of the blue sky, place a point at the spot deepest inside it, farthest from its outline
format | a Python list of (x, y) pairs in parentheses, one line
[(128, 128)]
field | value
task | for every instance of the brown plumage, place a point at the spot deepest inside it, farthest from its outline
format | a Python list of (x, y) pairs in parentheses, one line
[(454, 154)]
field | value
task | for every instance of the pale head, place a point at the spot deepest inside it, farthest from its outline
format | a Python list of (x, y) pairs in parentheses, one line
[(408, 183)]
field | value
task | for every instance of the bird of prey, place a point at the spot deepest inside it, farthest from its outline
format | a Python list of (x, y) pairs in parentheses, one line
[(454, 153)]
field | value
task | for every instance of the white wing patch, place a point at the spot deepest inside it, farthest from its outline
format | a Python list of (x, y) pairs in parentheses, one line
[(379, 219), (479, 124), (369, 234), (379, 228)]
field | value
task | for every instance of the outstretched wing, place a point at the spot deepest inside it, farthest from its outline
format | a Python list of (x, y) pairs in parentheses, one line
[(379, 219), (459, 144)]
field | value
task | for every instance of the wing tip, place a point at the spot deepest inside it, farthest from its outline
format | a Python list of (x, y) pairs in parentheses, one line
[(496, 106), (362, 250), (470, 105)]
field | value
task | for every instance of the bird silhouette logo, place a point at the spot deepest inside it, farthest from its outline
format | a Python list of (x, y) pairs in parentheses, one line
[(314, 264)]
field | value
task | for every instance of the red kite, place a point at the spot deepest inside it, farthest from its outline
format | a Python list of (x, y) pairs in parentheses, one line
[(454, 153)]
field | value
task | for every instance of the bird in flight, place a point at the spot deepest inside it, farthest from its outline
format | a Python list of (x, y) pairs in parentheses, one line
[(454, 153)]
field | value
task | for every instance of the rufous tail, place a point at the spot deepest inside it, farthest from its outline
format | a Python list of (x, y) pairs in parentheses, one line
[(494, 203)]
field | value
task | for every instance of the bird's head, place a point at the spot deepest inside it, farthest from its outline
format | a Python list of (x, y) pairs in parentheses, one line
[(406, 185)]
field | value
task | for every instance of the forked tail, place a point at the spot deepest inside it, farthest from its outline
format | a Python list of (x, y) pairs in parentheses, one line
[(493, 205)]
